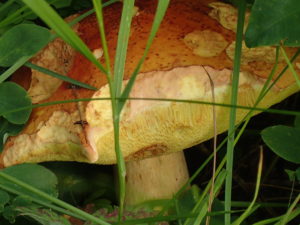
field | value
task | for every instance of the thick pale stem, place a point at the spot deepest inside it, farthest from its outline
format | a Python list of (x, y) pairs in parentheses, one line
[(155, 178)]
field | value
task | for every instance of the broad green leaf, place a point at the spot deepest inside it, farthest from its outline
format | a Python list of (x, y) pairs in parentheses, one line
[(35, 175), (12, 97), (22, 40), (273, 21), (7, 129), (284, 141)]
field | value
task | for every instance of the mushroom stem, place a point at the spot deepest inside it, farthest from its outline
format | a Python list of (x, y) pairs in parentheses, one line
[(155, 178)]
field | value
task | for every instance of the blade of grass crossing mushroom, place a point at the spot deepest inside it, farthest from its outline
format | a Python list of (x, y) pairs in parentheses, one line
[(270, 110), (122, 44), (261, 95), (291, 67), (54, 21), (115, 90), (234, 93), (54, 200), (91, 11), (266, 88), (98, 9), (250, 207), (116, 83), (159, 15), (59, 76)]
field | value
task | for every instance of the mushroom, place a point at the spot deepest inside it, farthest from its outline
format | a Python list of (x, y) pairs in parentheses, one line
[(192, 46)]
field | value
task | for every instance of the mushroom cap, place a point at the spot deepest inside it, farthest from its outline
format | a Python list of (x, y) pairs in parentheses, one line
[(192, 46)]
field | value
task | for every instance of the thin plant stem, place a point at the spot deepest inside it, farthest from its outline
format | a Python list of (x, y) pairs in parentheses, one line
[(252, 204), (234, 94), (59, 76), (274, 111), (211, 194)]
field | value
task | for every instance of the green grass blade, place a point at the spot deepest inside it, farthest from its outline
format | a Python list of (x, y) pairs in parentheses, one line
[(291, 67), (21, 62), (202, 204), (250, 207), (115, 90), (274, 111), (13, 17), (6, 5), (14, 68), (40, 202), (122, 44), (54, 200), (160, 13), (293, 215), (234, 92), (59, 76), (99, 13), (287, 216), (91, 11), (54, 21)]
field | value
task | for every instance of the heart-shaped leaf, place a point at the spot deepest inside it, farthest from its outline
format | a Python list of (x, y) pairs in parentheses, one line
[(273, 21), (13, 97), (284, 141), (22, 40)]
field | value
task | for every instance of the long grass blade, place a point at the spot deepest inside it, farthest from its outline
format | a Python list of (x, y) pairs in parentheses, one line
[(62, 204), (293, 215), (275, 111), (287, 216), (14, 68), (290, 66), (40, 202), (21, 62), (234, 93), (250, 207), (59, 76), (122, 44), (54, 21), (159, 15), (202, 204), (99, 13)]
